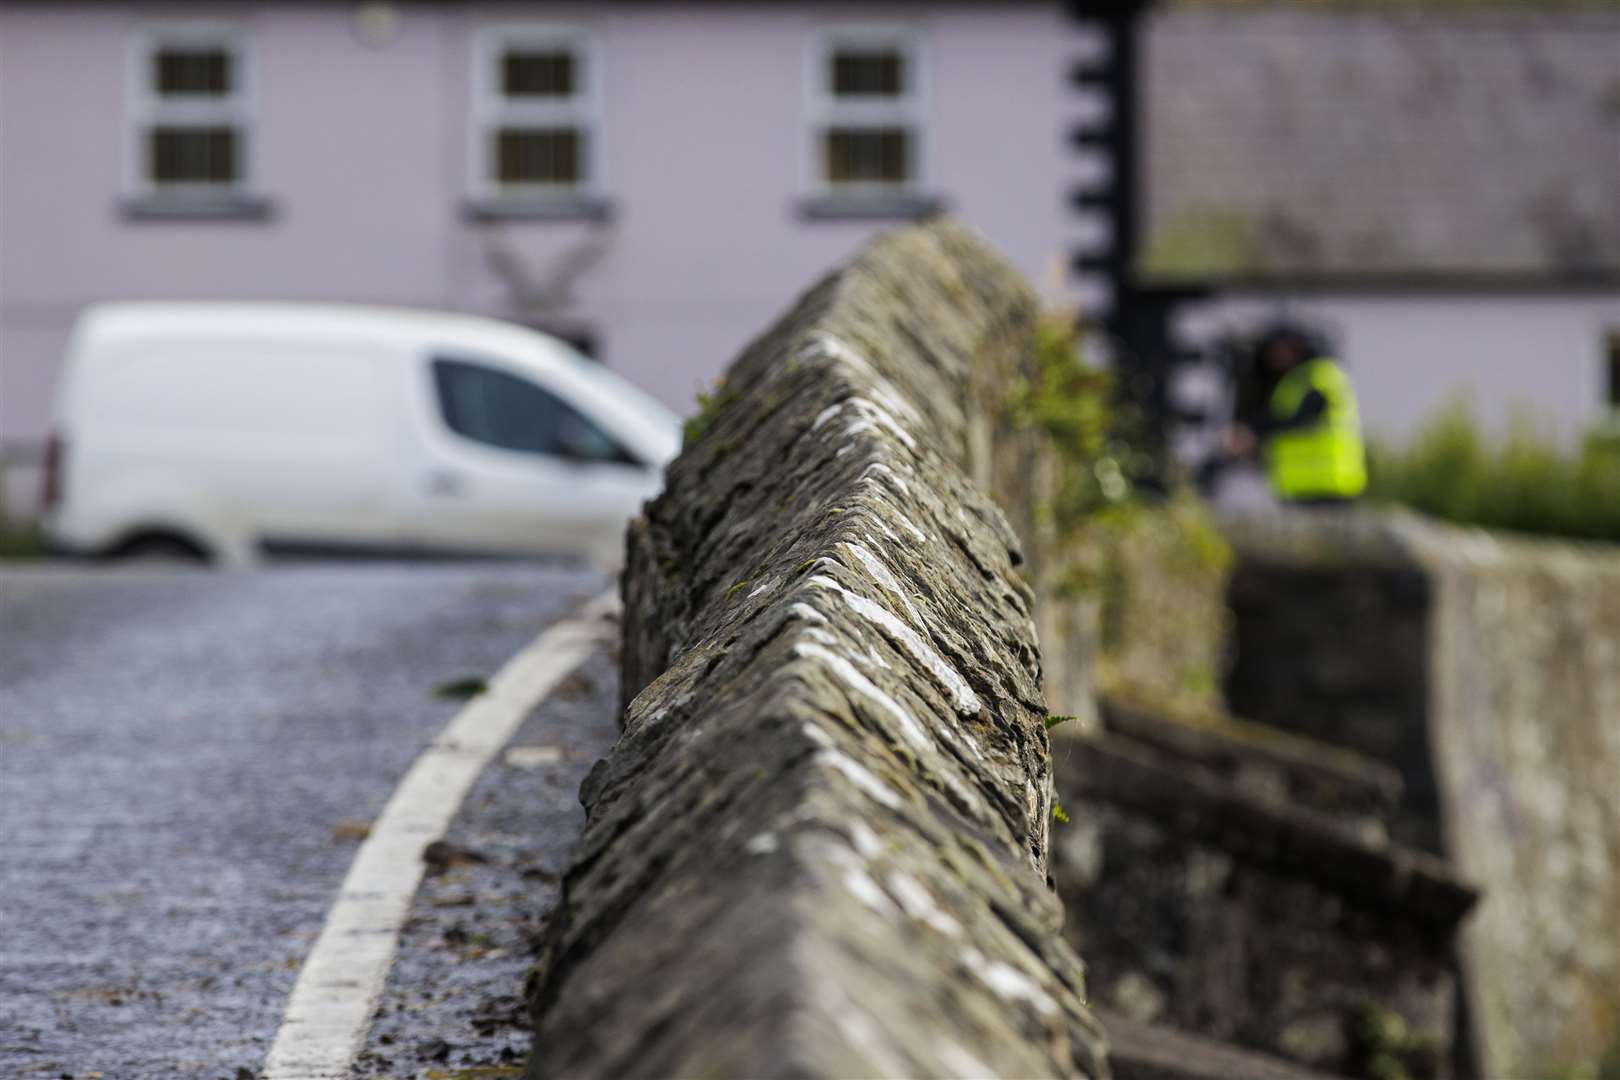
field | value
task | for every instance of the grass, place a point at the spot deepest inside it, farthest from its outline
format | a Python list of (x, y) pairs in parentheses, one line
[(20, 539), (1525, 482)]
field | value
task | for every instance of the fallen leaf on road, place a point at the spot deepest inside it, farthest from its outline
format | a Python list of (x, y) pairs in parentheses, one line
[(468, 686), (350, 830), (441, 855)]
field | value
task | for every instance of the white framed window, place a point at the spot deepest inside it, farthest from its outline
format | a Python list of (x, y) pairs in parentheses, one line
[(191, 124), (535, 117), (867, 108)]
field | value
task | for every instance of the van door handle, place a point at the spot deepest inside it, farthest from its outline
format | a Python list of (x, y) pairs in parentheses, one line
[(444, 482)]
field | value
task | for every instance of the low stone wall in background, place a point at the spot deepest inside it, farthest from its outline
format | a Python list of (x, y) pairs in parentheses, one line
[(1488, 671), (1340, 657), (1237, 884), (820, 848)]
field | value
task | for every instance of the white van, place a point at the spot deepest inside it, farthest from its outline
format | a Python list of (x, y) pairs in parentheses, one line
[(226, 430)]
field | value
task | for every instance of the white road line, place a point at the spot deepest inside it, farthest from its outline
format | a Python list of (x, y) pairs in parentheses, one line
[(330, 1010)]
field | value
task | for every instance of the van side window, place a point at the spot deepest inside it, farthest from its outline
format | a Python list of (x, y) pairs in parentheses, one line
[(497, 409)]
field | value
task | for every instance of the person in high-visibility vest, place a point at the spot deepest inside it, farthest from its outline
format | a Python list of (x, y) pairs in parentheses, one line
[(1310, 433)]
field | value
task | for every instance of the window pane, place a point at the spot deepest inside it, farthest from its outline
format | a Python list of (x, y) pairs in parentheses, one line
[(193, 155), (504, 411), (538, 156), (1614, 369), (192, 71), (539, 73), (868, 155), (868, 73)]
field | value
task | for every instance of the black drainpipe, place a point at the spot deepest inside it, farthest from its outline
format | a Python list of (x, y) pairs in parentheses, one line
[(1139, 319)]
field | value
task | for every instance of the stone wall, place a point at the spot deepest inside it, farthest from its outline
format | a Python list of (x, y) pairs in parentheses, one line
[(1163, 614), (1261, 762), (1488, 671), (1340, 657), (820, 847), (1209, 895)]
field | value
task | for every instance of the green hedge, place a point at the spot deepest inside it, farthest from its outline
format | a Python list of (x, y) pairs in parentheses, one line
[(1525, 483)]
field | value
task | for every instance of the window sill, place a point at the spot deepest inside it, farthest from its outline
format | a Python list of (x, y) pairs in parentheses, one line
[(196, 208), (541, 208), (899, 207)]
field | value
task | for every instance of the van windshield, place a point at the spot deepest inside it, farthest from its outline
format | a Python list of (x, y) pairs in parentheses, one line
[(495, 408)]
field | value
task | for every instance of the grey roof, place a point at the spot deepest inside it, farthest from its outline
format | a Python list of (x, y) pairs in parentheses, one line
[(1284, 141)]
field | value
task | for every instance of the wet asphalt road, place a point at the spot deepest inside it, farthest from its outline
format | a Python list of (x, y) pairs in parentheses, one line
[(180, 752)]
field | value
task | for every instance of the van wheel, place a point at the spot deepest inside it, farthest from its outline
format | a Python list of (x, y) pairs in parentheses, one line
[(161, 548)]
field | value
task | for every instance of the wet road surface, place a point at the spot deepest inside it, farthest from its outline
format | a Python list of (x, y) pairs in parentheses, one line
[(185, 761)]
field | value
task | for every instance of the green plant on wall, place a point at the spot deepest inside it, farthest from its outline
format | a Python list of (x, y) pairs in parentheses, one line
[(1156, 564), (709, 404), (1384, 1047), (1161, 572), (1072, 402)]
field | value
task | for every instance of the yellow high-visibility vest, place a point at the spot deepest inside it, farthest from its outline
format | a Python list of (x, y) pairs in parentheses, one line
[(1326, 459)]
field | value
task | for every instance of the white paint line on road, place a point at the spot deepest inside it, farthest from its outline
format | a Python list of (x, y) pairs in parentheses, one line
[(331, 1007)]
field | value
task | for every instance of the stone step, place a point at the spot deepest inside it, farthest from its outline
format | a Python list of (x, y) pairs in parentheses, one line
[(1286, 838), (1200, 906), (1259, 759), (1140, 1051)]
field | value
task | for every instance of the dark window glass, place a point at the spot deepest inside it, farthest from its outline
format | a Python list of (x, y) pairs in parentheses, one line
[(192, 71), (538, 73), (193, 155), (501, 410), (868, 155), (1614, 369), (868, 73), (538, 155)]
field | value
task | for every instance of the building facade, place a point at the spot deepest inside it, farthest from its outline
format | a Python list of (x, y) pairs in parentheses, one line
[(651, 180), (1436, 189)]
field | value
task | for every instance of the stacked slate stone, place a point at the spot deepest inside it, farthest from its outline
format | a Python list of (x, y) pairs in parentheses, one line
[(820, 847), (1485, 669), (1231, 881)]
